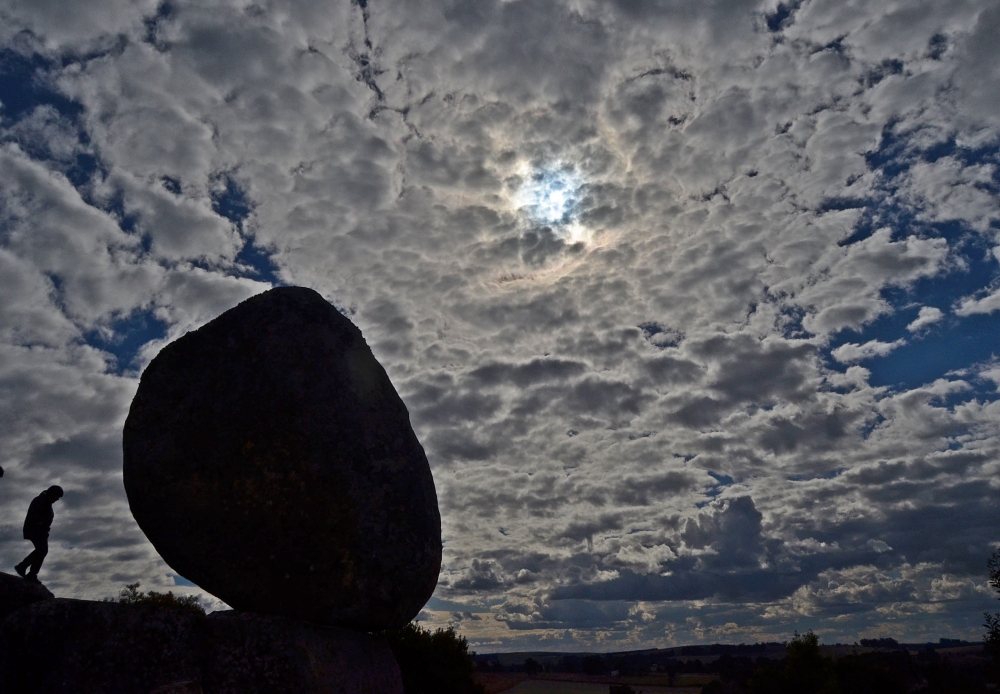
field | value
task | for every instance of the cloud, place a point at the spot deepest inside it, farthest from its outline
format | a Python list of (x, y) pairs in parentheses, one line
[(976, 74), (637, 393), (859, 271), (724, 555), (85, 22), (970, 306), (991, 372), (852, 352), (879, 546), (929, 315), (482, 575)]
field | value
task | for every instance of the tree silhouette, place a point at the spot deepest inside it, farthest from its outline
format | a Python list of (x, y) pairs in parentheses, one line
[(803, 671), (435, 662), (992, 620), (594, 665), (131, 595)]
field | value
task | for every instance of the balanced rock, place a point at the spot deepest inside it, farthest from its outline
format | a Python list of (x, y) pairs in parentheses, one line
[(270, 461), (65, 646), (15, 593)]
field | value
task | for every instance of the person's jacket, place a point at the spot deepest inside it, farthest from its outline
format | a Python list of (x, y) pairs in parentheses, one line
[(39, 518)]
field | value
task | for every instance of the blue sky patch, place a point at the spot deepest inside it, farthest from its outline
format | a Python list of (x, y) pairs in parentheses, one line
[(130, 334), (721, 482), (24, 86), (233, 203), (260, 261), (955, 342)]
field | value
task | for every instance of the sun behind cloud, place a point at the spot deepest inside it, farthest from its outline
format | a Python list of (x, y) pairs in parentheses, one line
[(550, 195)]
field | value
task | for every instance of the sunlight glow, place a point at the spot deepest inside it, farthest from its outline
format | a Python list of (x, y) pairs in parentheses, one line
[(550, 196)]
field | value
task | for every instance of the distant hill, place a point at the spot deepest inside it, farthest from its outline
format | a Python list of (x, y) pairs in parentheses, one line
[(647, 658)]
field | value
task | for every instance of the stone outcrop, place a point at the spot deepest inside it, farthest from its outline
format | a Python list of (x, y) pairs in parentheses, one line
[(269, 460), (251, 649), (56, 645), (16, 593), (65, 646)]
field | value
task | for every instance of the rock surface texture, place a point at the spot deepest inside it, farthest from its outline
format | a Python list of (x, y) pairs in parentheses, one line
[(15, 593), (83, 647), (268, 459)]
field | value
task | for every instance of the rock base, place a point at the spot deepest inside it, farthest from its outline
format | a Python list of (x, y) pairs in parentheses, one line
[(63, 646), (16, 593)]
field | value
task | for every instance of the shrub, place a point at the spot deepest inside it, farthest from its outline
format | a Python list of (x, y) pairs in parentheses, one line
[(131, 595), (874, 673), (883, 642), (803, 671), (436, 662), (992, 620), (594, 665)]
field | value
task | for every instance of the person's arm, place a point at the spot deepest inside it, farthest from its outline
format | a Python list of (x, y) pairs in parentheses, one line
[(33, 519)]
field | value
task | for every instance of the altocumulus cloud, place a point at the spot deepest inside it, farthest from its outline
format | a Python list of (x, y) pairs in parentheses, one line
[(693, 304)]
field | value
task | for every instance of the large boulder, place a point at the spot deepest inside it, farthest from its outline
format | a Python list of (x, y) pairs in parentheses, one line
[(15, 593), (84, 647), (270, 461)]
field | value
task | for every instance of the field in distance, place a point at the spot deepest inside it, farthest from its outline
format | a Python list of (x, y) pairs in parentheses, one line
[(566, 683)]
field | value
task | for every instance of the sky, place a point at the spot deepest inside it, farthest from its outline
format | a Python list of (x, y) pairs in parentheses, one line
[(693, 303)]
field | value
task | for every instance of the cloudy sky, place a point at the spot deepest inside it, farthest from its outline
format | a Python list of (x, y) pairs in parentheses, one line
[(694, 304)]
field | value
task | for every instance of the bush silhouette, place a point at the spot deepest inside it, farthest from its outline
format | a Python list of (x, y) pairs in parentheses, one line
[(992, 620), (803, 671), (883, 642), (131, 595), (436, 662), (594, 665)]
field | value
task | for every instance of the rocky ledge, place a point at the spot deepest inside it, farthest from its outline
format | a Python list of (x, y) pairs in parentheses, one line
[(16, 593), (59, 646)]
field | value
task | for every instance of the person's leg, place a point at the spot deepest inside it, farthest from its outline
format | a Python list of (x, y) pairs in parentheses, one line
[(20, 568), (36, 558)]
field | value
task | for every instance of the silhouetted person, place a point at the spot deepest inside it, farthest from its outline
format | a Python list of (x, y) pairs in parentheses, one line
[(36, 528)]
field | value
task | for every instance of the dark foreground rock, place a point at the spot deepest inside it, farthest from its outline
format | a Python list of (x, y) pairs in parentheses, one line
[(268, 459), (15, 593), (83, 647), (257, 653)]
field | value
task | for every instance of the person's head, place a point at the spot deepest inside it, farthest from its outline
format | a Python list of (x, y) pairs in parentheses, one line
[(55, 492)]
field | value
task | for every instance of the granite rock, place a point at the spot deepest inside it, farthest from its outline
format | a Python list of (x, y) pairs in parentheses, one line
[(66, 646), (16, 593), (269, 460), (83, 646), (259, 653)]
